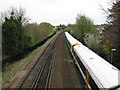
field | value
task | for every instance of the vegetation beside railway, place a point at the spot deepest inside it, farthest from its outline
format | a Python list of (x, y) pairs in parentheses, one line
[(20, 37), (12, 69), (102, 39), (84, 30), (112, 33)]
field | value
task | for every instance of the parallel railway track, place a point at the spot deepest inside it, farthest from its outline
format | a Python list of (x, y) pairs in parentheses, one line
[(39, 75), (43, 76)]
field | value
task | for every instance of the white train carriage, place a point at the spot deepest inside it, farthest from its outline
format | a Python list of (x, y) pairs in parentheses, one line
[(103, 74)]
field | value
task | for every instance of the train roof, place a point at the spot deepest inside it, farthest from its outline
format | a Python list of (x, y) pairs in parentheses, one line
[(103, 73)]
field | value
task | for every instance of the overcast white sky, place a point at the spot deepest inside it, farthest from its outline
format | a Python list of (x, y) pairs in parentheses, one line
[(59, 11)]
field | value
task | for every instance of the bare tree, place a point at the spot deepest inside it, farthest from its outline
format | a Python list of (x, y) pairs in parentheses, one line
[(16, 13)]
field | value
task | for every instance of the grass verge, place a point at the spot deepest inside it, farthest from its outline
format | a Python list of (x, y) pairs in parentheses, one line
[(12, 69)]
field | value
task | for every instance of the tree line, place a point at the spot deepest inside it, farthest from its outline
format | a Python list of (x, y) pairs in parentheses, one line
[(84, 30), (18, 34), (112, 33), (38, 32)]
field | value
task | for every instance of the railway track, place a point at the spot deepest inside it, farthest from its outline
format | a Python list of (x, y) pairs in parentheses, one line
[(44, 73), (39, 75), (54, 68)]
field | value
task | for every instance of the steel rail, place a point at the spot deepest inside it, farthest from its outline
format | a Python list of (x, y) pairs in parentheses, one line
[(40, 73), (28, 73), (48, 81)]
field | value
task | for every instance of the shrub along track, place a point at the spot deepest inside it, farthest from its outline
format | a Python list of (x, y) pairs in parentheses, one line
[(54, 68)]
